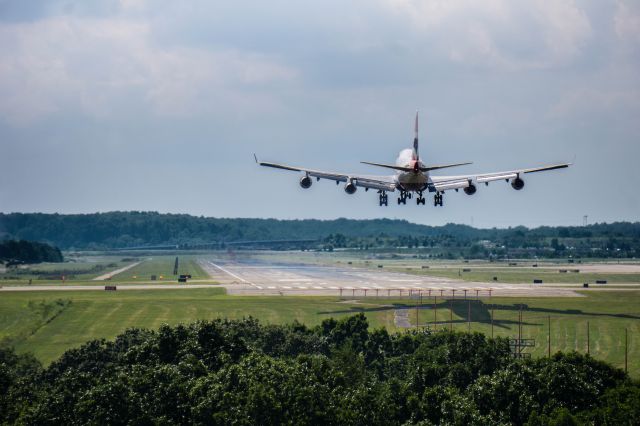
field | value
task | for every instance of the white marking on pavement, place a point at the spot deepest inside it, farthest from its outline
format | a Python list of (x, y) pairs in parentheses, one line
[(234, 275), (109, 275)]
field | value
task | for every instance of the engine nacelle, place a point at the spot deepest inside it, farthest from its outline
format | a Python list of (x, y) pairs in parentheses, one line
[(305, 182), (471, 189), (350, 188), (517, 184)]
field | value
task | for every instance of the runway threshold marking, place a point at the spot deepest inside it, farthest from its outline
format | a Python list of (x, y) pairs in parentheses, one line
[(235, 276)]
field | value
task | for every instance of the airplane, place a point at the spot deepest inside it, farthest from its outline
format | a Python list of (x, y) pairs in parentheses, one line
[(413, 176)]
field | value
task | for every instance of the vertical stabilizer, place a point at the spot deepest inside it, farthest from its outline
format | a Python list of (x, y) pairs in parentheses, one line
[(415, 140)]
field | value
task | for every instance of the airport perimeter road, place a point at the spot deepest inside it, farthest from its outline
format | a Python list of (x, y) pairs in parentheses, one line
[(101, 288), (253, 277)]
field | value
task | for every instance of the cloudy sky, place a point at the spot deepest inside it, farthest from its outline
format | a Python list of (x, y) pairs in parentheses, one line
[(141, 105)]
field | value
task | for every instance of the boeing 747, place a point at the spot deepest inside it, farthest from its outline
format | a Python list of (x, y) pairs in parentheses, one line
[(414, 176)]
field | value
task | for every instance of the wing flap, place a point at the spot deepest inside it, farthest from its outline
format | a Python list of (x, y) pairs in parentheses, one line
[(315, 173), (454, 184), (494, 177), (376, 184), (383, 183)]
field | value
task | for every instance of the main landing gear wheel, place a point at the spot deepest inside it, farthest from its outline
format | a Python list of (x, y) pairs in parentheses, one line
[(437, 200), (402, 199), (420, 199), (384, 198)]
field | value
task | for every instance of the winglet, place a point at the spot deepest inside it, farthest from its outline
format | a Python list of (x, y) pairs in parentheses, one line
[(255, 157)]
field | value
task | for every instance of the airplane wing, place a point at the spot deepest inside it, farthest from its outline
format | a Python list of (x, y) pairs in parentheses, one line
[(443, 183), (384, 183)]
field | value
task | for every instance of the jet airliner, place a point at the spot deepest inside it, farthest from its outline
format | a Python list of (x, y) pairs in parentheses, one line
[(413, 176)]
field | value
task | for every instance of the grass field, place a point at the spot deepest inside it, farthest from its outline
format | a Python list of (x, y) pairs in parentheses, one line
[(86, 268), (608, 315), (48, 323), (162, 268), (523, 275), (77, 269)]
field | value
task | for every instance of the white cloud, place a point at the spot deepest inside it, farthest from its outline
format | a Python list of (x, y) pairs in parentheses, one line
[(627, 21), (92, 65), (500, 34)]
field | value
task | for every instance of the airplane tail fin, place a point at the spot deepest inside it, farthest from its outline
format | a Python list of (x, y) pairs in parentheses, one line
[(415, 140)]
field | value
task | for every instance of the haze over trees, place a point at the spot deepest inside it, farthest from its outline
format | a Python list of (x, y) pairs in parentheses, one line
[(136, 229), (340, 372), (21, 251)]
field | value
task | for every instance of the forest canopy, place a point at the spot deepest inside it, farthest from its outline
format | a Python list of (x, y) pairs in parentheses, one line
[(339, 372), (141, 229), (21, 251)]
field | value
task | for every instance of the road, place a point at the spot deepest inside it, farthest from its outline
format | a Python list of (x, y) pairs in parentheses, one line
[(255, 277), (111, 274), (101, 288), (251, 276)]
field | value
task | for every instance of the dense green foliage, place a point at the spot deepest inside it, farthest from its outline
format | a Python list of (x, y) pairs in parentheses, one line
[(28, 252), (135, 229), (242, 372)]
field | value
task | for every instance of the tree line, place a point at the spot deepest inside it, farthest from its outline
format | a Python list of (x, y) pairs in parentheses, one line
[(14, 252), (139, 229), (339, 372)]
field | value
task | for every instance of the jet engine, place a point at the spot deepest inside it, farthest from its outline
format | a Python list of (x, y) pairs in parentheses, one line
[(350, 188), (471, 189), (517, 184), (305, 182)]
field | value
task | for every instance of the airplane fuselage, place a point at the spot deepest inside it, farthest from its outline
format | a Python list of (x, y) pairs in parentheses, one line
[(414, 180)]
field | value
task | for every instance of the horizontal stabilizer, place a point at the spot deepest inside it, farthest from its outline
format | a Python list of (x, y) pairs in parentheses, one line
[(389, 166), (443, 166)]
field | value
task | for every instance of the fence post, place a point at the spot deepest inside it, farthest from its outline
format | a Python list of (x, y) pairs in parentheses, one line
[(492, 308), (417, 312), (469, 317), (435, 311), (549, 337), (626, 348), (588, 340), (450, 315)]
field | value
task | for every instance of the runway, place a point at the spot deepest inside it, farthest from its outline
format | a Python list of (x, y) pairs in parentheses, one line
[(254, 277)]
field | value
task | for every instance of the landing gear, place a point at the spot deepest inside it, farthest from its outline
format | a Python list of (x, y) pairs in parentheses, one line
[(437, 199), (420, 199), (384, 198), (402, 199)]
